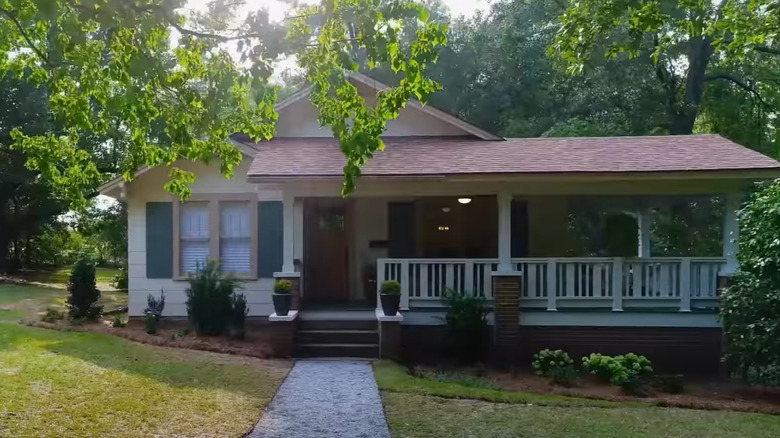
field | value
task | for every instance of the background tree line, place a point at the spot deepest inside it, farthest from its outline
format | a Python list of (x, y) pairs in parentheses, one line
[(509, 71)]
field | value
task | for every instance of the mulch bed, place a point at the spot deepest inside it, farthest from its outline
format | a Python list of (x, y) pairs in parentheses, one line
[(170, 334), (698, 392)]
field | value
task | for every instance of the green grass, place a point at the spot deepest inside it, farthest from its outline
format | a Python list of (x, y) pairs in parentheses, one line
[(58, 277), (420, 416), (419, 407), (20, 301), (393, 377), (64, 384)]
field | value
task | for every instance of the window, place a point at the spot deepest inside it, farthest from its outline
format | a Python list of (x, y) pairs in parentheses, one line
[(216, 226), (234, 237), (193, 235)]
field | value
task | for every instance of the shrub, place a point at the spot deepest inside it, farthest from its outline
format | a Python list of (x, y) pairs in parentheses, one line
[(627, 371), (238, 316), (556, 365), (603, 367), (390, 287), (282, 287), (210, 300), (466, 323), (83, 295), (120, 279), (750, 308), (52, 316), (118, 322), (153, 311)]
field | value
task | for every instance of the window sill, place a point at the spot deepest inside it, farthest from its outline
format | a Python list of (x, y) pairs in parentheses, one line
[(243, 277)]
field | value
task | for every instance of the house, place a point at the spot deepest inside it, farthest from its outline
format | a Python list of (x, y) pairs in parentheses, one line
[(447, 205)]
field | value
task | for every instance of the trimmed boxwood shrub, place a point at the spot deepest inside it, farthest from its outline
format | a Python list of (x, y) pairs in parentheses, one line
[(467, 327), (210, 299), (83, 295)]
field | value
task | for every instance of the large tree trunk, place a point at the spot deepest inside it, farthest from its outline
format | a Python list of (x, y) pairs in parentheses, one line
[(700, 52)]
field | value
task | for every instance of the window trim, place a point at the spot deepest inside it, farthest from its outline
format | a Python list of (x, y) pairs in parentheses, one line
[(214, 200)]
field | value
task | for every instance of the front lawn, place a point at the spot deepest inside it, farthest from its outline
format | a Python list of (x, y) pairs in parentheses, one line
[(26, 301), (420, 407), (58, 277), (64, 384)]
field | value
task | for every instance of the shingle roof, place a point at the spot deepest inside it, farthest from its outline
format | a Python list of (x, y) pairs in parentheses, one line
[(413, 156)]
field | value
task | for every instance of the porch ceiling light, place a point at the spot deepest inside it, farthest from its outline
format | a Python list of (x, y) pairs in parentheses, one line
[(464, 201)]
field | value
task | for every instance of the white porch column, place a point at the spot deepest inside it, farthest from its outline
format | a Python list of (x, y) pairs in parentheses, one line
[(288, 234), (645, 230), (504, 232), (730, 234)]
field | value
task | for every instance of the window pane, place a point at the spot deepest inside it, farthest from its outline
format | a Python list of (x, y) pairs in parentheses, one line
[(194, 235), (234, 255), (194, 253), (235, 243), (194, 220)]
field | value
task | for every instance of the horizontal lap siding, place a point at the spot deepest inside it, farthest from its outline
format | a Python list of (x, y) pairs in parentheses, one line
[(149, 188)]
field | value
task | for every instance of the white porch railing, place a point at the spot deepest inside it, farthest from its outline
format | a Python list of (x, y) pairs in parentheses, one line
[(672, 283)]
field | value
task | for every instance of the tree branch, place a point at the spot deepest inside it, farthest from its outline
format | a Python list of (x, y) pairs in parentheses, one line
[(171, 19), (765, 49), (12, 16), (738, 82)]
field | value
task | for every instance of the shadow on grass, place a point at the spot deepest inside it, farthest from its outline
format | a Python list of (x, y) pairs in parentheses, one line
[(183, 369)]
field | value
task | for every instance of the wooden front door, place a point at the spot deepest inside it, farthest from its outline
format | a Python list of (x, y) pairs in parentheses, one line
[(326, 250)]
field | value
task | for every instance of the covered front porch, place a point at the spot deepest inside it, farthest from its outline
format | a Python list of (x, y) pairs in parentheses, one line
[(343, 249)]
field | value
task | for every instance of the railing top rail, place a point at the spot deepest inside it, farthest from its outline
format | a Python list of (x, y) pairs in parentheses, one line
[(435, 260)]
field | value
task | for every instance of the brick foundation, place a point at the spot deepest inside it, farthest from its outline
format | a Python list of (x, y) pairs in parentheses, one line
[(506, 299), (282, 337), (390, 339)]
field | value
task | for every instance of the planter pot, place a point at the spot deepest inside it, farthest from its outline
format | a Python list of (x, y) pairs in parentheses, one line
[(282, 303), (390, 303)]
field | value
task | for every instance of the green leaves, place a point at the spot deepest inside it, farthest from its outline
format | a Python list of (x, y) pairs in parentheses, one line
[(357, 124)]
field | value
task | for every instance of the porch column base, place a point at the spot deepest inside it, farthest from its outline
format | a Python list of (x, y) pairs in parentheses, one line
[(506, 302), (295, 279), (389, 335), (282, 330)]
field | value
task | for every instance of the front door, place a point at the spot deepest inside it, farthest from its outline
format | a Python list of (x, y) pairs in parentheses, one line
[(326, 250)]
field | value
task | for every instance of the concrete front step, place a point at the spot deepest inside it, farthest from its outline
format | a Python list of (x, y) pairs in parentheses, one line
[(337, 337), (328, 324), (336, 350)]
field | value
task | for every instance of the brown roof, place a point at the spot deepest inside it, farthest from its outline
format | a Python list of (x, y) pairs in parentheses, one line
[(413, 156)]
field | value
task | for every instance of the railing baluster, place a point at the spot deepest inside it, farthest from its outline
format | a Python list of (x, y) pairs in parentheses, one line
[(617, 285), (552, 286), (685, 285)]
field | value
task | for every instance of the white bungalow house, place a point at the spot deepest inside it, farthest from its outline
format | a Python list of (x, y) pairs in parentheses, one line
[(448, 205)]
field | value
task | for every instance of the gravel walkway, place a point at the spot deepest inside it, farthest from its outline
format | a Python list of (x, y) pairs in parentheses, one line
[(325, 399)]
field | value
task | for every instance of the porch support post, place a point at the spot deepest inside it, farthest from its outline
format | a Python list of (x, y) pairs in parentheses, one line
[(645, 231), (730, 235), (504, 232), (288, 233)]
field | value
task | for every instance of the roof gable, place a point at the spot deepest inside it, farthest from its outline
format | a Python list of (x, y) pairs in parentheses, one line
[(298, 117)]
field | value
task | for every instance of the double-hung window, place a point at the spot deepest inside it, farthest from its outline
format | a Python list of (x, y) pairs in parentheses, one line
[(194, 238), (217, 227), (235, 237)]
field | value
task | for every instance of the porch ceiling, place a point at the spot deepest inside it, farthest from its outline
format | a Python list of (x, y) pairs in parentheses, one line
[(450, 156)]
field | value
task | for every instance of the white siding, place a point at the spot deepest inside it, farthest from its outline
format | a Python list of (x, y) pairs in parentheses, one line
[(149, 188), (300, 120)]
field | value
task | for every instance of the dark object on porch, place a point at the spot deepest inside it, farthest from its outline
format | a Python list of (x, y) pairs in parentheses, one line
[(390, 295), (282, 297)]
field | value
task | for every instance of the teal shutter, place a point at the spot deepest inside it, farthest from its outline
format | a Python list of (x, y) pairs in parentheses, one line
[(159, 240), (270, 226)]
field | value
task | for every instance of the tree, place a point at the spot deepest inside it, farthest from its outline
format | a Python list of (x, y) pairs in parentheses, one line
[(27, 204), (750, 308), (110, 70), (691, 45)]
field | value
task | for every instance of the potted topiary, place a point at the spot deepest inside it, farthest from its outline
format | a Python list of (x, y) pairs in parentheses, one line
[(390, 295), (282, 297)]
